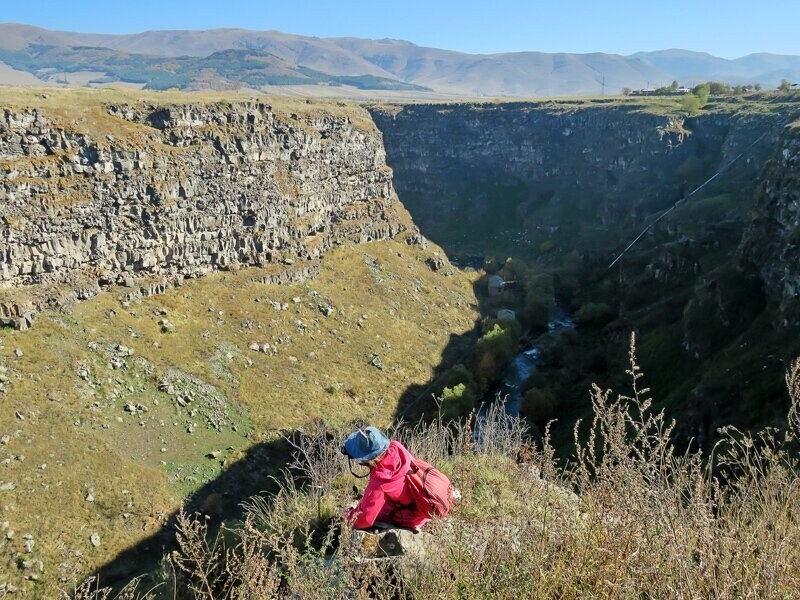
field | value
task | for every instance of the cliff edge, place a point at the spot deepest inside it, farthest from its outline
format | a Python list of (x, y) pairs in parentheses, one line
[(96, 192)]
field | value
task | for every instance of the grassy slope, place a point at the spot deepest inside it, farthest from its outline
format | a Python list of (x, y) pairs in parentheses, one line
[(83, 108), (80, 429), (64, 411)]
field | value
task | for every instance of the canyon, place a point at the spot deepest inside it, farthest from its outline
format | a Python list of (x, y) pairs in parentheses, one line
[(710, 287), (186, 279)]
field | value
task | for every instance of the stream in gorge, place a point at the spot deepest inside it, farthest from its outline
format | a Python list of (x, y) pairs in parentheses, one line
[(510, 389)]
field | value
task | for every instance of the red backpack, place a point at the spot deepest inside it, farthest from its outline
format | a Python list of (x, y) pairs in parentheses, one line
[(431, 489)]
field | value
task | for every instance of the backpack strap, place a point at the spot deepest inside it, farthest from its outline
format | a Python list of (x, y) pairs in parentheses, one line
[(431, 500)]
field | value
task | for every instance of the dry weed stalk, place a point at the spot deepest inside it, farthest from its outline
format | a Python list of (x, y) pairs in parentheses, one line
[(646, 521), (793, 385), (316, 455), (201, 558)]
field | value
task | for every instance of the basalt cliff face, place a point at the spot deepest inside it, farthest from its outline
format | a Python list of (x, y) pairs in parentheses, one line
[(711, 289), (544, 171), (771, 243), (176, 191)]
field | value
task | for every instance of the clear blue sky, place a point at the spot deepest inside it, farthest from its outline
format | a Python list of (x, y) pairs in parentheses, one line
[(727, 28)]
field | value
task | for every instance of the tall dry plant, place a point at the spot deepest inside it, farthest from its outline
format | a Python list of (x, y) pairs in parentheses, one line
[(316, 454), (628, 517), (793, 385)]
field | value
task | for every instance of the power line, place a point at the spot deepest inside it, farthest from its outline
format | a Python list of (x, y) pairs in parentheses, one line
[(689, 195)]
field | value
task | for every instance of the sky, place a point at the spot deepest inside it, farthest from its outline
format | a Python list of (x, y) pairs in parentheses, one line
[(729, 29)]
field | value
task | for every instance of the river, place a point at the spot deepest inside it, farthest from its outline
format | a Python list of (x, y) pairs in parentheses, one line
[(520, 368)]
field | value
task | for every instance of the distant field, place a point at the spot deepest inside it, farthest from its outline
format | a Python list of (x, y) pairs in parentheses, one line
[(11, 76)]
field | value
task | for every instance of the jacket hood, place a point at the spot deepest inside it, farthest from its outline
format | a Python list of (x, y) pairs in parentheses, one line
[(394, 464)]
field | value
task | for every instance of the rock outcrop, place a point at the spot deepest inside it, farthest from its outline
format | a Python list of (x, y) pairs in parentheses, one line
[(771, 243), (177, 191), (528, 173)]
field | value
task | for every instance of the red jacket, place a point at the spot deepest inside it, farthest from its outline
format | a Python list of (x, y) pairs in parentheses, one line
[(386, 498)]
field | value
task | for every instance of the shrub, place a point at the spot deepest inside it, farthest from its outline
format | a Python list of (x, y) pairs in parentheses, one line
[(539, 406), (594, 313)]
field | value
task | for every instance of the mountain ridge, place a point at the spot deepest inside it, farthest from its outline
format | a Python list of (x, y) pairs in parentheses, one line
[(386, 64)]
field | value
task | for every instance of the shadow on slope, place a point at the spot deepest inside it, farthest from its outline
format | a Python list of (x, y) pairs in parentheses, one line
[(221, 500), (261, 471)]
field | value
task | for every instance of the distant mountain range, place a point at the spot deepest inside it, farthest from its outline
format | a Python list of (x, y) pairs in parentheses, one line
[(239, 58)]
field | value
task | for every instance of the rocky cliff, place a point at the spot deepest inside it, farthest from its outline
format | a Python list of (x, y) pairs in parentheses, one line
[(567, 185), (100, 194), (771, 243), (556, 173)]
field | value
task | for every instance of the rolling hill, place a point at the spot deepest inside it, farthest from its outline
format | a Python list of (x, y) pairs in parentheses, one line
[(235, 58)]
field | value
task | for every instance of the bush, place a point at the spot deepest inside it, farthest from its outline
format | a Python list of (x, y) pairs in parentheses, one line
[(594, 313), (539, 406), (457, 401)]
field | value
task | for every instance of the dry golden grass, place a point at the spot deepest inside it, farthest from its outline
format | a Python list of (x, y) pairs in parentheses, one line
[(83, 109), (73, 425), (645, 522)]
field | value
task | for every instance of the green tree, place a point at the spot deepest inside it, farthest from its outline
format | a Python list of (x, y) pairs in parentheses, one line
[(717, 88), (702, 91), (785, 86), (458, 374), (690, 104), (490, 265), (539, 406), (539, 300), (594, 313), (495, 349), (514, 269), (457, 401)]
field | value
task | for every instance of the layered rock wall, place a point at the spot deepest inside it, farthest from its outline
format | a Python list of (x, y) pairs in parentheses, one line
[(178, 191), (771, 243), (540, 168)]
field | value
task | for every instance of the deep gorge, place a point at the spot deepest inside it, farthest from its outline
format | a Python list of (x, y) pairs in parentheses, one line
[(712, 290), (226, 246), (177, 191)]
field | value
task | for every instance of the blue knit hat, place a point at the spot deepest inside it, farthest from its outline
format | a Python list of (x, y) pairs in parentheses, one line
[(365, 444)]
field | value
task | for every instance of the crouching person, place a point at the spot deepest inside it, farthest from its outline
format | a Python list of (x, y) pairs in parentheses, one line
[(402, 491)]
